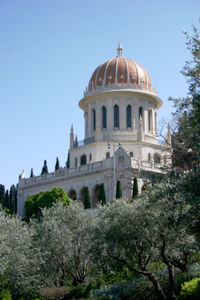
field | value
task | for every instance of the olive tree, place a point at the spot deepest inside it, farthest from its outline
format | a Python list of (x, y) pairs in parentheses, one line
[(152, 228), (18, 259), (64, 236)]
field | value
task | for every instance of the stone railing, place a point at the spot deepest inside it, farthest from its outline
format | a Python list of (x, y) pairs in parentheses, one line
[(84, 142), (92, 167), (128, 86)]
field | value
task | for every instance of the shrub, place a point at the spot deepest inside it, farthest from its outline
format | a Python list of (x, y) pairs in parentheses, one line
[(190, 290)]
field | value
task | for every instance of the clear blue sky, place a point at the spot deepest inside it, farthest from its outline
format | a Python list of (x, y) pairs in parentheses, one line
[(48, 51)]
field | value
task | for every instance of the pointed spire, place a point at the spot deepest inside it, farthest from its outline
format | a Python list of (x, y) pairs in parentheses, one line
[(72, 137), (119, 50)]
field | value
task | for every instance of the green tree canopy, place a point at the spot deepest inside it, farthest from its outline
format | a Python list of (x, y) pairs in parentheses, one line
[(36, 202)]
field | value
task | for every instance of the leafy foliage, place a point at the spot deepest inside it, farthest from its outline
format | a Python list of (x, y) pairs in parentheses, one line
[(118, 190), (102, 196), (36, 202), (190, 290), (64, 236), (86, 201), (135, 188)]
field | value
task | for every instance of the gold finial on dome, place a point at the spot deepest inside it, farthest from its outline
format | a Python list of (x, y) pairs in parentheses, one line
[(119, 50)]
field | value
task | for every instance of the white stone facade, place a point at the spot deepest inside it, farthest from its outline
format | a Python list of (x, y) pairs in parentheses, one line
[(120, 138)]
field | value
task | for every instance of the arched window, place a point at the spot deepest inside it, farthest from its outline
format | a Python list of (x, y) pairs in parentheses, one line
[(116, 116), (128, 117), (150, 120), (83, 159), (157, 158), (94, 119), (140, 112), (107, 154), (104, 117)]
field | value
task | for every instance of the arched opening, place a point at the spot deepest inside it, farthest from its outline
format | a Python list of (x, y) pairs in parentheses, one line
[(157, 158), (96, 195), (104, 117), (116, 116), (140, 112), (82, 194), (94, 119), (150, 120), (128, 116), (144, 187), (83, 160), (107, 154), (72, 194)]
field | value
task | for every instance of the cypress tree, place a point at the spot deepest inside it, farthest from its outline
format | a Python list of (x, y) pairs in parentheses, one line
[(86, 202), (44, 168), (6, 200), (31, 175), (68, 163), (102, 196), (57, 165), (135, 188), (2, 193), (118, 190), (12, 199)]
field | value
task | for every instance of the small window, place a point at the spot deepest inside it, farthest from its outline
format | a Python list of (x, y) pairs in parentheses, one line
[(157, 158), (149, 157), (75, 161), (116, 116), (128, 117), (107, 154), (94, 119), (104, 118), (90, 157), (83, 159), (131, 154)]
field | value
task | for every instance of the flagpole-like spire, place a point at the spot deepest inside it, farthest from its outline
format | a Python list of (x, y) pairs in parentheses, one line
[(119, 50)]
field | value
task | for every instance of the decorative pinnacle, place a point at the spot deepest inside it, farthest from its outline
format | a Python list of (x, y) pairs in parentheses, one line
[(119, 50)]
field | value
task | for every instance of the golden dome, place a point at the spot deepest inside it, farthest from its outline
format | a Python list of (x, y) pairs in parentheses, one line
[(120, 71)]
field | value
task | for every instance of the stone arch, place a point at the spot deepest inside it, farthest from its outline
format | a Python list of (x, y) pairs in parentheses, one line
[(72, 194), (96, 191), (82, 194)]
